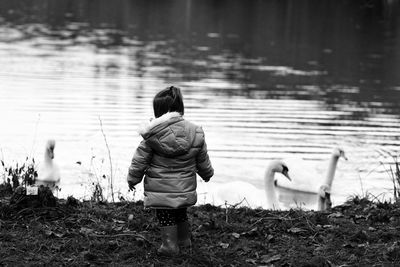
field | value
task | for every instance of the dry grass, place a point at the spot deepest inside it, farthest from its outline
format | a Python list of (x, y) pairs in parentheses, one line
[(394, 174)]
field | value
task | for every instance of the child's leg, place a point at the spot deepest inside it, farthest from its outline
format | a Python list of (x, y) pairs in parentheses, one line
[(169, 231), (184, 233)]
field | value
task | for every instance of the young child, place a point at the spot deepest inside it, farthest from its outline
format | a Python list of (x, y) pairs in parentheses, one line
[(172, 151)]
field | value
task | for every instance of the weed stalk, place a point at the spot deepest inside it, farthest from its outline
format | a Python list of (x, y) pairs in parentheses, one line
[(110, 160)]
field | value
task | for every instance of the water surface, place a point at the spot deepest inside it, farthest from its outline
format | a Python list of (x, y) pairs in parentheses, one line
[(265, 79)]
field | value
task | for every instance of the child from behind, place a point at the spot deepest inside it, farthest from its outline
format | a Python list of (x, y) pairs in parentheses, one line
[(172, 151)]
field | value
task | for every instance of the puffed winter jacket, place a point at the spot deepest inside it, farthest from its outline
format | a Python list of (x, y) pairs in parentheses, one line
[(172, 151)]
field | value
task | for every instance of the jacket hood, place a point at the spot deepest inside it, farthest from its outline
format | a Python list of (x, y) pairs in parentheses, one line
[(167, 135)]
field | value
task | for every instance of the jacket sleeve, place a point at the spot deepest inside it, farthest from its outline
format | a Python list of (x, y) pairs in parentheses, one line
[(204, 167), (140, 162)]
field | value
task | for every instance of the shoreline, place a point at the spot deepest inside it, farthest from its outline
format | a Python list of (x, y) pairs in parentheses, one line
[(75, 233)]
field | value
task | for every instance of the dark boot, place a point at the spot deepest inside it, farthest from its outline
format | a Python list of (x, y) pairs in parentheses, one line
[(184, 236), (169, 240)]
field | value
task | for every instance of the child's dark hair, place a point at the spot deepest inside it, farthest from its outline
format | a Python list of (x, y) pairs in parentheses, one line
[(168, 100)]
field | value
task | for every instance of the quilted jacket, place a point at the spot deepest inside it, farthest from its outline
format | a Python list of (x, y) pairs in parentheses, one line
[(172, 151)]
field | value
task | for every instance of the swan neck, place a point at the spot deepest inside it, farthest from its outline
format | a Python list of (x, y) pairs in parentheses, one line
[(331, 170), (269, 177), (272, 201), (321, 203), (47, 157)]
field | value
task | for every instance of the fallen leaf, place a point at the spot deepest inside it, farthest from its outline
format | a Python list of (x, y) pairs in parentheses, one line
[(267, 259), (235, 235), (335, 215), (270, 238), (50, 233), (296, 230), (224, 245), (252, 232), (118, 221), (348, 245), (118, 228), (252, 261)]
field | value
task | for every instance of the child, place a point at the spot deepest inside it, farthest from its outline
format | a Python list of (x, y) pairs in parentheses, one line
[(172, 151)]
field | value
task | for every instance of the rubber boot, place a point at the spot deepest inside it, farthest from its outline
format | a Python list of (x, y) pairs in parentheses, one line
[(169, 240), (184, 236)]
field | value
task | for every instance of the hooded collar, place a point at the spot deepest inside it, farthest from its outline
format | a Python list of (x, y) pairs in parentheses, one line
[(146, 128)]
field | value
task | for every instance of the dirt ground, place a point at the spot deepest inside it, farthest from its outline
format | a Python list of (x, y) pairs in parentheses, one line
[(73, 233)]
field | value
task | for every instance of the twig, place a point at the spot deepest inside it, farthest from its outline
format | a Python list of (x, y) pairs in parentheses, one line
[(393, 176), (375, 198), (394, 183), (227, 206), (361, 184), (311, 226), (109, 158)]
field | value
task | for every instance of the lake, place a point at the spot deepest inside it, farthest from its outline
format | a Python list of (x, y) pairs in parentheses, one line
[(265, 80)]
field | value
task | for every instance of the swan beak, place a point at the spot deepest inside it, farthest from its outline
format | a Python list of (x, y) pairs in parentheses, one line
[(286, 174), (343, 155)]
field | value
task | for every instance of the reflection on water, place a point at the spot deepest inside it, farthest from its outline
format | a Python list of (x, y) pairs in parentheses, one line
[(266, 79)]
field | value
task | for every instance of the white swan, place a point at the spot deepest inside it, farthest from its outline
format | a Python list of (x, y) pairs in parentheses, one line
[(307, 180), (235, 192), (48, 171), (274, 166)]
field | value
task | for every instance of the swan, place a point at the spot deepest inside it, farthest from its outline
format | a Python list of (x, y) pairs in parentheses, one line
[(306, 179), (48, 171), (239, 191), (274, 166)]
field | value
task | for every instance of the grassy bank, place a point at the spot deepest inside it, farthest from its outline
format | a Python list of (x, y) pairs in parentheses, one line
[(75, 233)]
